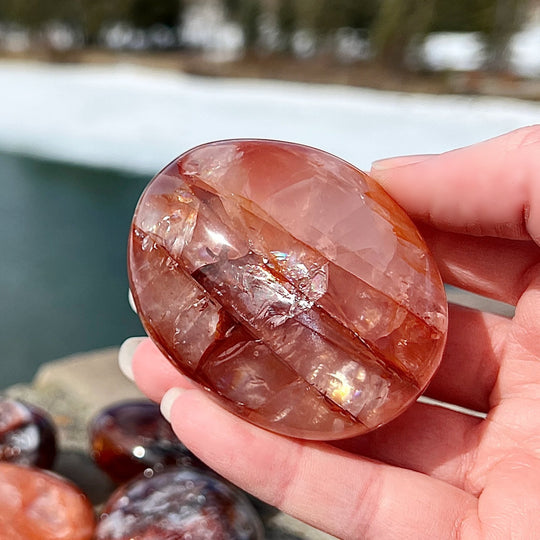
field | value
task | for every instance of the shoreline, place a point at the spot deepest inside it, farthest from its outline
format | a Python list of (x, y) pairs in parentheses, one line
[(318, 70)]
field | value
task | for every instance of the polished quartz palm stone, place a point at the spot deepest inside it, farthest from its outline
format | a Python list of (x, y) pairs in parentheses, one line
[(289, 284), (130, 437), (39, 505), (179, 504), (27, 434)]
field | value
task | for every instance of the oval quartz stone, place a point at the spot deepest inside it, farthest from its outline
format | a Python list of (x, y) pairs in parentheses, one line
[(289, 284), (179, 504), (39, 505)]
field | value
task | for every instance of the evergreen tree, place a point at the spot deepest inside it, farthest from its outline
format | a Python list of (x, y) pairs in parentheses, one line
[(146, 13), (247, 13), (287, 22), (462, 16), (330, 15), (507, 19), (496, 20), (399, 29)]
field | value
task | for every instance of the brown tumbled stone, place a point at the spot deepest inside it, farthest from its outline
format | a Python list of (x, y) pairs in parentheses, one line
[(130, 437)]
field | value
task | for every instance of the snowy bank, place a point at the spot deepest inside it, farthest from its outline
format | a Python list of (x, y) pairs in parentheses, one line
[(139, 119), (465, 51)]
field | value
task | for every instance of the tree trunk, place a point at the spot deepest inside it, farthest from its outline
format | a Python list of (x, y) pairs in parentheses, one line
[(398, 29), (508, 18)]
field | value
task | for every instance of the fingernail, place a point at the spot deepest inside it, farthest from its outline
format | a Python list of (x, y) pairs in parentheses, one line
[(125, 355), (399, 161), (131, 301), (167, 401)]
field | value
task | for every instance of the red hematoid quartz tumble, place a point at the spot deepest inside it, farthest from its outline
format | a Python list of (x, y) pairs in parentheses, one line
[(39, 505), (289, 284)]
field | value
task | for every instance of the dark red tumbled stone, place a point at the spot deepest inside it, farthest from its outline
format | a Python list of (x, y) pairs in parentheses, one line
[(129, 437), (179, 504), (27, 434)]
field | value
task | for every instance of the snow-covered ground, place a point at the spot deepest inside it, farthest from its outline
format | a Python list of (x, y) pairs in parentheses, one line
[(136, 118), (465, 51)]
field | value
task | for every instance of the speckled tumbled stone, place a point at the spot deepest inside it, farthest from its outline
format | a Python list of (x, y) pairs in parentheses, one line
[(179, 504)]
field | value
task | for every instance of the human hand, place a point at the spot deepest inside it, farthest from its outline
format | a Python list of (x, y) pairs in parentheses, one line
[(432, 472)]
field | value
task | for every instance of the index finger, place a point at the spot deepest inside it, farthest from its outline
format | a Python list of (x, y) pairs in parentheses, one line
[(490, 189)]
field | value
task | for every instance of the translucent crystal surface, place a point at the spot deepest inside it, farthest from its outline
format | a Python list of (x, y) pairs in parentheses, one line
[(289, 284), (38, 505)]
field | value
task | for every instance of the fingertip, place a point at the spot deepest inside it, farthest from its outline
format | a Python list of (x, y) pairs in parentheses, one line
[(381, 168), (168, 400), (126, 354)]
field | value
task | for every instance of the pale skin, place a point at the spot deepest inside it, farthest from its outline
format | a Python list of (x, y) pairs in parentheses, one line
[(433, 472)]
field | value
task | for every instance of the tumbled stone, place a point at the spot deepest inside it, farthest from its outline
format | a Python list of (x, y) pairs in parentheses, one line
[(179, 504), (39, 505), (27, 434), (289, 284), (130, 437)]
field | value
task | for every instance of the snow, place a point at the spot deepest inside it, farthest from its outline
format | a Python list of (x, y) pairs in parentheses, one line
[(140, 119), (454, 51), (525, 52), (465, 51)]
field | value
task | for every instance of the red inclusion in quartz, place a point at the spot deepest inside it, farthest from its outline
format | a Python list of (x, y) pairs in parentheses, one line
[(289, 284)]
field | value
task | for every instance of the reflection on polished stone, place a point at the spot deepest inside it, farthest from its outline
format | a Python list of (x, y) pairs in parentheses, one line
[(179, 503), (289, 284), (27, 434), (131, 436)]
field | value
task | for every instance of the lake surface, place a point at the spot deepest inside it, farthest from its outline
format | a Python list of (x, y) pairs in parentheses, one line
[(63, 282)]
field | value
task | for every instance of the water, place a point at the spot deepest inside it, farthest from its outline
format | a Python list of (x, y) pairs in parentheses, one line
[(63, 283)]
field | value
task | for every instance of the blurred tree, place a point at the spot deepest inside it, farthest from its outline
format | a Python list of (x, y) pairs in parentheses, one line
[(28, 13), (287, 18), (147, 13), (496, 20), (398, 30), (90, 16), (507, 18), (330, 15), (462, 15), (247, 13), (250, 21)]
